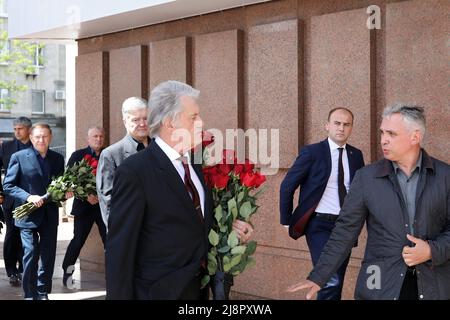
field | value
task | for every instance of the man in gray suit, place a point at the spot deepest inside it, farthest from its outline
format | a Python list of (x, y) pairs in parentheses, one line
[(404, 200), (134, 113)]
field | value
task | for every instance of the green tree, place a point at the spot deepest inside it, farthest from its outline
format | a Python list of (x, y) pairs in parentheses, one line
[(17, 57)]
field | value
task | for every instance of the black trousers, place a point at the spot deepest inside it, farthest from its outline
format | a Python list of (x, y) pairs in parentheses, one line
[(12, 246), (409, 289), (82, 226)]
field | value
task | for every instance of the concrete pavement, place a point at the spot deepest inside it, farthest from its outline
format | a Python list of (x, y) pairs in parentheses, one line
[(87, 285)]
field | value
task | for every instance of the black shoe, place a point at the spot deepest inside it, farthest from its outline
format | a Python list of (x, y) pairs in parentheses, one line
[(14, 281), (42, 296), (66, 277)]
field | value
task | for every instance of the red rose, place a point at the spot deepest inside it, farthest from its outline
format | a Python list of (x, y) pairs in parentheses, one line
[(88, 157), (224, 168), (93, 163), (208, 173), (238, 168), (248, 166), (220, 181), (248, 179), (259, 179)]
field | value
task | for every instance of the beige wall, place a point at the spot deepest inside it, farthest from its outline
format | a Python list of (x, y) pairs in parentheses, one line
[(283, 65)]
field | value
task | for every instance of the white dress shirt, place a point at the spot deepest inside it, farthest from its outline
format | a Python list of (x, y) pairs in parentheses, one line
[(330, 198), (174, 157)]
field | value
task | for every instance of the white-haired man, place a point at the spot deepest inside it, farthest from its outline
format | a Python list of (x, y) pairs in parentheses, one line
[(161, 208), (134, 115)]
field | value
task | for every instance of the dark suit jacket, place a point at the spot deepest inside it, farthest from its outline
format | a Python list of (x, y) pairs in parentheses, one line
[(155, 241), (6, 151), (80, 206), (110, 159), (375, 198), (311, 170), (25, 178)]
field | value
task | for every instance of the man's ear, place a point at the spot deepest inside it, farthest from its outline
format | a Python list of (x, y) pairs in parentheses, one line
[(167, 123), (416, 137)]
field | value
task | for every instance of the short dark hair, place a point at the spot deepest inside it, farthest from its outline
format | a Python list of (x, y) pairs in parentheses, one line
[(340, 108), (41, 125), (24, 121)]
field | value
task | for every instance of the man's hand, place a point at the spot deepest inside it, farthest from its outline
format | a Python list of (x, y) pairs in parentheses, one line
[(69, 195), (1, 199), (92, 199), (36, 200), (307, 284), (243, 229), (421, 252)]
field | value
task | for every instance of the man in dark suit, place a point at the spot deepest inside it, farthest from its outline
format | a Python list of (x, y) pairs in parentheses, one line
[(85, 212), (404, 199), (12, 245), (161, 209), (324, 171), (134, 115), (29, 174)]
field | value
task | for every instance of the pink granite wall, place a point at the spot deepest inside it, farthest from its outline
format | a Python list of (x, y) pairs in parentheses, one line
[(272, 81), (92, 93), (417, 65), (339, 74), (283, 65), (128, 70), (170, 60), (218, 74)]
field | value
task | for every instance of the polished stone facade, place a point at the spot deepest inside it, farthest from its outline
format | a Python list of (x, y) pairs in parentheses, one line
[(279, 65)]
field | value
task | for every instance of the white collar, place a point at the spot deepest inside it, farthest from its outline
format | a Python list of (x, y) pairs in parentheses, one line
[(334, 146), (169, 151)]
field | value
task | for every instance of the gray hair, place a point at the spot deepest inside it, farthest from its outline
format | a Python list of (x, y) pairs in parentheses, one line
[(41, 125), (131, 104), (412, 114), (23, 121), (165, 102), (96, 128)]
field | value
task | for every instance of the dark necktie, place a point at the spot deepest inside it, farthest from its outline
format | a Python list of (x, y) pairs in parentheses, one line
[(341, 186), (190, 187), (140, 146)]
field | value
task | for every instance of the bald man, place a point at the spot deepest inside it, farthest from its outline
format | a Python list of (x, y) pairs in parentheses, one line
[(85, 212)]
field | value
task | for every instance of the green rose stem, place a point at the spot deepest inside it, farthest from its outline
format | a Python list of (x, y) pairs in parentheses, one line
[(27, 208)]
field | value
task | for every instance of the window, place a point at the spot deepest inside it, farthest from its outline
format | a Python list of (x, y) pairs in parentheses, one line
[(4, 97), (38, 101), (38, 59)]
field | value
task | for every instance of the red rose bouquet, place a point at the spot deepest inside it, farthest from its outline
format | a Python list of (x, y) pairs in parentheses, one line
[(233, 186)]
